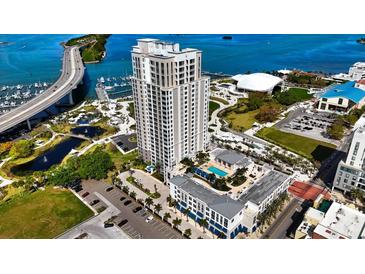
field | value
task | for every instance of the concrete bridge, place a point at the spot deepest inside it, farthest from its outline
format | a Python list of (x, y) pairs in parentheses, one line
[(71, 76)]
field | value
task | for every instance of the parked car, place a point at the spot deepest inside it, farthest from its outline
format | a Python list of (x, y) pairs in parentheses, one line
[(123, 222), (106, 225), (85, 194), (127, 202), (78, 189), (109, 189), (122, 198), (149, 219), (138, 208), (94, 202)]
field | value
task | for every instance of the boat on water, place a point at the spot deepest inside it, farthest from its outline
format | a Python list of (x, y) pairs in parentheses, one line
[(19, 87), (4, 88), (227, 37), (102, 80), (108, 87)]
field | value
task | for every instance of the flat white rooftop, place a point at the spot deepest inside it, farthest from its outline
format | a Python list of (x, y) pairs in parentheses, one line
[(341, 222)]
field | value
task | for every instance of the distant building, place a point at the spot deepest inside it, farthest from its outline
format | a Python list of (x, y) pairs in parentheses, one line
[(351, 173), (224, 214), (343, 97), (357, 71), (341, 222), (261, 82), (171, 102)]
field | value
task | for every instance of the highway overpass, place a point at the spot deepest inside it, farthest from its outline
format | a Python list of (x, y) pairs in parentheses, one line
[(71, 76)]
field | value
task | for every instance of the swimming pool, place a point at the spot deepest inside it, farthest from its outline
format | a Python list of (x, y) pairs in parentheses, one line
[(217, 171)]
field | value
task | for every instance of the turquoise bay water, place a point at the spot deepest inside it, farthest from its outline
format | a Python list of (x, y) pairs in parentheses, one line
[(31, 58)]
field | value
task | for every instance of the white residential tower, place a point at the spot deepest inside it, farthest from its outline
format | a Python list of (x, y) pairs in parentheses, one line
[(171, 102)]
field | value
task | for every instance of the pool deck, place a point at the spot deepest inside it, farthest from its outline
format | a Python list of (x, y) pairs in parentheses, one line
[(235, 191), (205, 167)]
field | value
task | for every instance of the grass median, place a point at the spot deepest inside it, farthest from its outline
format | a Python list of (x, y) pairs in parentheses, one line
[(309, 148)]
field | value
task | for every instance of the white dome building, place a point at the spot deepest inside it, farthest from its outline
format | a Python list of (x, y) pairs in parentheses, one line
[(261, 82)]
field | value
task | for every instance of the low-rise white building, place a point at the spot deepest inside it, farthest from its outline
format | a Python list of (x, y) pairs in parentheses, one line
[(261, 82), (341, 222), (226, 216), (311, 219), (222, 213), (356, 72), (260, 195), (343, 97), (231, 159)]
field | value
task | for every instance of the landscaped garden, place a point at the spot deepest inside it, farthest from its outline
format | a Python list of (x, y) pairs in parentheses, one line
[(306, 147), (292, 95), (133, 181), (261, 107), (41, 215)]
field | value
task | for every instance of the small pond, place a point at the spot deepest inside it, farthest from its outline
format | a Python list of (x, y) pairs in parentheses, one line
[(49, 158), (88, 131)]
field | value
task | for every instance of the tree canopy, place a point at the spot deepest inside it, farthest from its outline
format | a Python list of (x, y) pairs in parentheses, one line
[(21, 149)]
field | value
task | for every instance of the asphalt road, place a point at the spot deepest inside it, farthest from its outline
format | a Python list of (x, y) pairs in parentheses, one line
[(327, 171), (72, 74), (137, 227), (279, 228)]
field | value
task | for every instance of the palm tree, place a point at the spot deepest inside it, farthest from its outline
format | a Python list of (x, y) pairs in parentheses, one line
[(174, 204), (203, 223), (166, 216), (186, 211), (133, 195), (221, 235), (176, 222), (148, 201), (158, 208), (357, 194), (169, 200), (125, 189), (187, 232)]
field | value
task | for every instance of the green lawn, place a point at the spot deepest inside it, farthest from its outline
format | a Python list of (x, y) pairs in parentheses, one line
[(241, 121), (212, 107), (41, 215), (309, 148), (292, 95)]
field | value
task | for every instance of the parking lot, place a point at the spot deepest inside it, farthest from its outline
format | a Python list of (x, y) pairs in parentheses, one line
[(140, 224), (312, 125)]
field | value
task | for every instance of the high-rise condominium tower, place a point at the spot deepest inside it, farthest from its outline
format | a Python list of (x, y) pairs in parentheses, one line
[(171, 102), (351, 173)]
